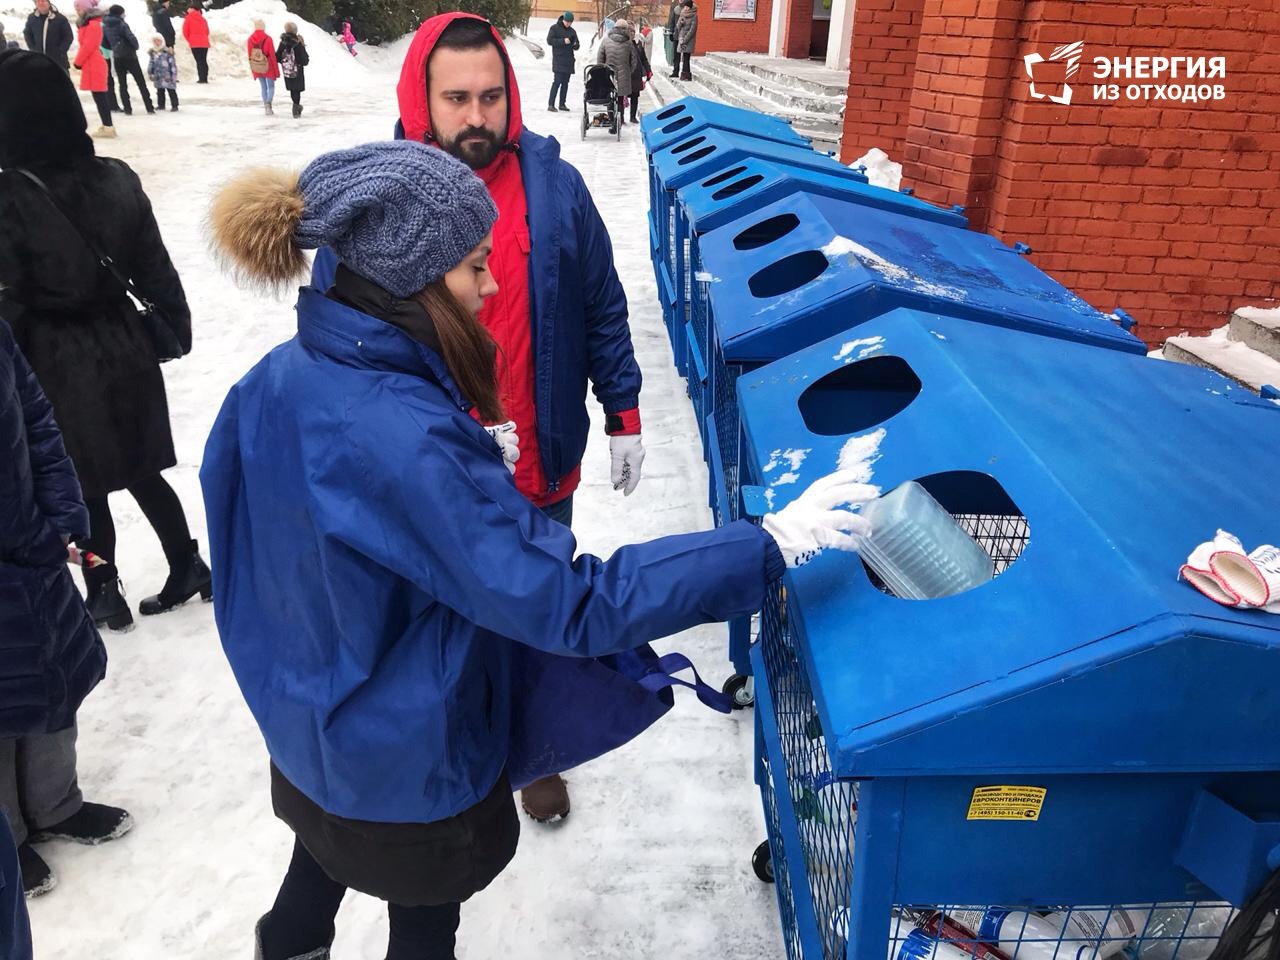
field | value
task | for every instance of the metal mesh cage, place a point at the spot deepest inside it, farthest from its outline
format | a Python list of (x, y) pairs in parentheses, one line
[(826, 813), (724, 377), (781, 871)]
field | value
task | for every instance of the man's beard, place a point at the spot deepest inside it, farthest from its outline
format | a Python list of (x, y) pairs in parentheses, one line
[(474, 146)]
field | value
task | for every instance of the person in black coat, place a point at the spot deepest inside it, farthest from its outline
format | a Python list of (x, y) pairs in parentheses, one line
[(563, 40), (641, 73), (51, 655), (291, 55), (163, 22), (48, 32), (79, 330), (124, 54)]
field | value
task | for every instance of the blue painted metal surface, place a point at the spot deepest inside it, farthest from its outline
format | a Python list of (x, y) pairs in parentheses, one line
[(690, 114), (1144, 710)]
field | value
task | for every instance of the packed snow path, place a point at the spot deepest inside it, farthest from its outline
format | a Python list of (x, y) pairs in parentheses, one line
[(655, 859)]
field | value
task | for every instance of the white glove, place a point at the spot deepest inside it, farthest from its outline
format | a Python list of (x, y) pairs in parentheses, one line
[(628, 454), (812, 523), (508, 441)]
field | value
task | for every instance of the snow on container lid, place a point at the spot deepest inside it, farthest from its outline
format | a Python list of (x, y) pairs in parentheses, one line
[(754, 182), (691, 114), (702, 154), (1091, 474), (846, 263)]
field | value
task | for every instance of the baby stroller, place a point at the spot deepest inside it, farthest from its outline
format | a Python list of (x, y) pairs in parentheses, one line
[(600, 106)]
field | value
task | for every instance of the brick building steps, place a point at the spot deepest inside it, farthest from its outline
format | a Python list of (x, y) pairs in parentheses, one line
[(1247, 350), (823, 128), (788, 82)]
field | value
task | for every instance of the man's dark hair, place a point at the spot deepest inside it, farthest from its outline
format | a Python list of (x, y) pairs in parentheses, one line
[(466, 33)]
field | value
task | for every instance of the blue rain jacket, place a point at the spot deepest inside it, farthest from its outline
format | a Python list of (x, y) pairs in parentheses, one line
[(376, 571), (51, 655), (577, 307)]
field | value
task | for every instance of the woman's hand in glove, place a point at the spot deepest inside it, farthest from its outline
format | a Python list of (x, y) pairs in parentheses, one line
[(508, 441), (814, 521)]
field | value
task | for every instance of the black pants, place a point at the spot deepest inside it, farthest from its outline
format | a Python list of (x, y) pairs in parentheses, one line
[(111, 88), (684, 66), (635, 107), (162, 509), (296, 96), (126, 68), (561, 84), (301, 920), (202, 63), (103, 102), (173, 97)]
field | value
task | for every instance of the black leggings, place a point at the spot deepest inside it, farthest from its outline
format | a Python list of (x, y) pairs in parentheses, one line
[(103, 102), (160, 94), (297, 96), (301, 920), (162, 509), (202, 63)]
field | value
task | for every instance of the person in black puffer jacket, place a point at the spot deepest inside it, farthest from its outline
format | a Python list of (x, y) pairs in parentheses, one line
[(162, 20), (79, 330), (291, 54), (563, 40), (51, 655), (641, 73), (124, 54), (48, 32)]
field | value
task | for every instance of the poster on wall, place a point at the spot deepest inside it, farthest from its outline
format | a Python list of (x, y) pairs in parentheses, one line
[(735, 9)]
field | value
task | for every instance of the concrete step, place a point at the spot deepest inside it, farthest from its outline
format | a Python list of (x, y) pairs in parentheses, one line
[(1259, 329), (764, 78), (1232, 358), (825, 130)]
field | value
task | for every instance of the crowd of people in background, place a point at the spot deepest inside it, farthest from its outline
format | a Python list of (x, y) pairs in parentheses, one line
[(108, 55)]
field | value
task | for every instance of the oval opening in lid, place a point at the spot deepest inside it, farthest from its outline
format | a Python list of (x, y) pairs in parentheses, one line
[(790, 273)]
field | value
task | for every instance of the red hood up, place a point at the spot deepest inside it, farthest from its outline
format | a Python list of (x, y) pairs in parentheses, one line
[(415, 113)]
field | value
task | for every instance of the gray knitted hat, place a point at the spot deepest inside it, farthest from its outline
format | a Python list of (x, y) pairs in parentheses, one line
[(399, 213)]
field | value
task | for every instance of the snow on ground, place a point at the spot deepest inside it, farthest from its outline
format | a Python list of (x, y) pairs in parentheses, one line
[(654, 861)]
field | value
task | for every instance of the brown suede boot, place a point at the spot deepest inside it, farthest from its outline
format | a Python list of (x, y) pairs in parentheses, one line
[(546, 800)]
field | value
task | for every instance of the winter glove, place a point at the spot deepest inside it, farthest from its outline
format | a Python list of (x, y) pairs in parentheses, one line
[(813, 521), (508, 441), (627, 452)]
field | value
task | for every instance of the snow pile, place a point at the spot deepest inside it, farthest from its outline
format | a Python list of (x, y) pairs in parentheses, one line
[(331, 67), (1236, 359), (881, 171)]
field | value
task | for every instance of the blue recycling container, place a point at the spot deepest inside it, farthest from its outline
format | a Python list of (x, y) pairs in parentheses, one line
[(796, 271), (699, 157), (733, 193), (689, 115), (1081, 733)]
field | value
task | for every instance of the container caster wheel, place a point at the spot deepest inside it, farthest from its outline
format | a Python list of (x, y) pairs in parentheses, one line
[(740, 691), (762, 862)]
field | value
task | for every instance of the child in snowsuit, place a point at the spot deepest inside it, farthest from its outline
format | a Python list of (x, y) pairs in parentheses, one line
[(163, 71), (423, 589), (348, 38)]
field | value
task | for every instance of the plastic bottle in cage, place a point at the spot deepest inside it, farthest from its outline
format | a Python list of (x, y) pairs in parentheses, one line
[(807, 803), (942, 927), (918, 945), (1064, 935), (1185, 929)]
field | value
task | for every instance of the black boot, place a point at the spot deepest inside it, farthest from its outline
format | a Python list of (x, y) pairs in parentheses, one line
[(188, 575), (92, 824), (105, 598), (37, 878)]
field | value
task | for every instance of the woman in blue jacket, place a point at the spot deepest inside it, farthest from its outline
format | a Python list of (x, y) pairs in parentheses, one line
[(384, 592)]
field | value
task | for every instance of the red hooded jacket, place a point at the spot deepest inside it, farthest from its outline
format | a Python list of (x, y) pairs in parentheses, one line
[(506, 315), (259, 38)]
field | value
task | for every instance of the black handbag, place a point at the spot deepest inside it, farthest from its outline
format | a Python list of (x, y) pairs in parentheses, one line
[(164, 339)]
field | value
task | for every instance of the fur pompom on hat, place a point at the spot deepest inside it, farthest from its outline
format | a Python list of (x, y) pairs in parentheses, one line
[(401, 214)]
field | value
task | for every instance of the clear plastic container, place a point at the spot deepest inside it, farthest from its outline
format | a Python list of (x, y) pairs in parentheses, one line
[(918, 549)]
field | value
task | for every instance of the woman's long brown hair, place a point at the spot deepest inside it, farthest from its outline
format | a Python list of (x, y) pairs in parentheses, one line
[(468, 350)]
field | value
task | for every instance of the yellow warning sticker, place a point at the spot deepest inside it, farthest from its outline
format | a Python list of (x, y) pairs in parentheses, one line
[(1006, 803)]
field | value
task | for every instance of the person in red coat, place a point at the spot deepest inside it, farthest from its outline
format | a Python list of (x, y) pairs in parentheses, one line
[(195, 30), (92, 64), (262, 63)]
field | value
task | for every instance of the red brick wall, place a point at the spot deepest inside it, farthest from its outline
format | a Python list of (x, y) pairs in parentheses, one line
[(882, 60), (799, 30), (733, 36), (1169, 209)]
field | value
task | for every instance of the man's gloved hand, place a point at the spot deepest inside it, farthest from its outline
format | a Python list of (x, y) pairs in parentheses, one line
[(627, 452), (814, 522), (508, 441)]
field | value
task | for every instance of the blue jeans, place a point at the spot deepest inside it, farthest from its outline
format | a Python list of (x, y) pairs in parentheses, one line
[(268, 89), (561, 511)]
